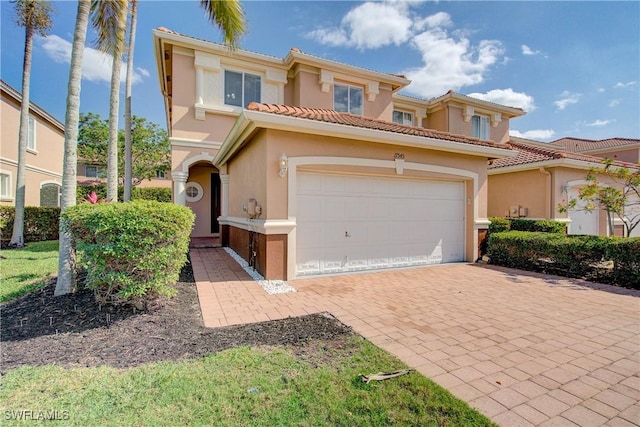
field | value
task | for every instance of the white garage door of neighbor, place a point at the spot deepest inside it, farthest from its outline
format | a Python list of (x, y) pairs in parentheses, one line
[(349, 223), (582, 221)]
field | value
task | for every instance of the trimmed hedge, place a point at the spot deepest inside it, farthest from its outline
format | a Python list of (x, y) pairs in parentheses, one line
[(604, 259), (40, 223), (131, 251), (499, 224), (159, 194)]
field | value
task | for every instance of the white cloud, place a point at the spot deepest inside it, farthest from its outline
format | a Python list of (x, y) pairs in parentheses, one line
[(601, 90), (620, 85), (614, 103), (440, 19), (96, 66), (449, 59), (450, 63), (599, 123), (508, 97), (370, 26), (538, 134), (567, 98), (526, 50)]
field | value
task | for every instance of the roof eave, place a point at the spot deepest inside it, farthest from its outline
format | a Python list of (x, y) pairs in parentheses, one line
[(563, 162), (248, 121)]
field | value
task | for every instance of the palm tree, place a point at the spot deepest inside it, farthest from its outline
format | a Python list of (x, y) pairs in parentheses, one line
[(35, 17), (66, 260), (127, 104), (109, 18), (226, 14)]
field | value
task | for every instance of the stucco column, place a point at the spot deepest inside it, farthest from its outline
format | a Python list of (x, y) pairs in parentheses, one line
[(199, 85), (224, 195), (179, 181)]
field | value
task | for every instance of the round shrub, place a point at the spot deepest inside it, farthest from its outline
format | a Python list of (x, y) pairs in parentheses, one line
[(133, 250)]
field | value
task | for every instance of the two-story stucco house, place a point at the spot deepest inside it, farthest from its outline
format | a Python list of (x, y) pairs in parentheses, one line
[(45, 146), (307, 166), (544, 175)]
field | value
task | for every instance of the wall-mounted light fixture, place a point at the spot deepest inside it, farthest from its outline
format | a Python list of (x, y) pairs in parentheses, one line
[(284, 165)]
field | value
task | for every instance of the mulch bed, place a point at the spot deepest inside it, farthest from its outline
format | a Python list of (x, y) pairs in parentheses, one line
[(75, 331)]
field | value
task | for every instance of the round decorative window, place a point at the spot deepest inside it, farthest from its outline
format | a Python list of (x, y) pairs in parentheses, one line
[(193, 191)]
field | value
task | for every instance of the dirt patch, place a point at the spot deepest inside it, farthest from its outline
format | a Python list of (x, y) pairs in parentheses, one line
[(74, 330)]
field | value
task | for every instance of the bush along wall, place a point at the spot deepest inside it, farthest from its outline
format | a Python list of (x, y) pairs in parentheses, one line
[(602, 259), (40, 223), (159, 194), (132, 251)]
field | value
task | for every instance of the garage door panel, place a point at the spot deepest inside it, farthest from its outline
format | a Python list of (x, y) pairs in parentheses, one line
[(371, 223)]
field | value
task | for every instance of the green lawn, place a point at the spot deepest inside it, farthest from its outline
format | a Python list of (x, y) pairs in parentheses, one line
[(238, 387), (26, 269)]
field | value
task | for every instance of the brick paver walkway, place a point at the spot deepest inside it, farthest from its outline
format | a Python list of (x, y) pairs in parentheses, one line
[(523, 348)]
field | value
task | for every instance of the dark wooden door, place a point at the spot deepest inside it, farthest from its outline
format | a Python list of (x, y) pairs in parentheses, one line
[(215, 202)]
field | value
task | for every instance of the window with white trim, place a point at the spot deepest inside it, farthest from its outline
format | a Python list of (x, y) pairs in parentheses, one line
[(31, 134), (92, 171), (5, 186), (480, 126), (403, 117), (348, 99), (240, 89), (160, 174), (193, 191)]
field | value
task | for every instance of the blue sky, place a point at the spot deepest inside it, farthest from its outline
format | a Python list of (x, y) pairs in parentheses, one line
[(573, 66)]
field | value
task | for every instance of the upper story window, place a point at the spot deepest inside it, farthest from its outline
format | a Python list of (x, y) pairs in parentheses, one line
[(240, 89), (402, 117), (347, 99), (31, 134), (480, 126), (160, 174), (92, 171)]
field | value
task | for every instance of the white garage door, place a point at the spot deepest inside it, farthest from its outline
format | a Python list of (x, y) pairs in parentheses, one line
[(582, 221), (349, 223)]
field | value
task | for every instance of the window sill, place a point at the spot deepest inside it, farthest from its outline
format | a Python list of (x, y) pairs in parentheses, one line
[(32, 151), (227, 110)]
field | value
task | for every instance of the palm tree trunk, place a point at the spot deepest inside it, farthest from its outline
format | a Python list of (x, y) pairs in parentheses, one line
[(17, 237), (127, 105), (114, 108), (67, 260)]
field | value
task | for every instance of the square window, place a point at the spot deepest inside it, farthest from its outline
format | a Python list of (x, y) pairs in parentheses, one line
[(480, 126), (402, 117), (348, 99), (240, 89), (92, 171)]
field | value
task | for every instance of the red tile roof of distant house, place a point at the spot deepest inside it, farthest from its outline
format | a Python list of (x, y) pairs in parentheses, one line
[(331, 116), (534, 153), (578, 145)]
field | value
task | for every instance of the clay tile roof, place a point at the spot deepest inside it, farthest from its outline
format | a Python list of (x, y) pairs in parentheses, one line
[(578, 145), (331, 116), (535, 153)]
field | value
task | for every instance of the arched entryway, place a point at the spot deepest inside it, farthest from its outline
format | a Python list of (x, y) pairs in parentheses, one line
[(198, 187)]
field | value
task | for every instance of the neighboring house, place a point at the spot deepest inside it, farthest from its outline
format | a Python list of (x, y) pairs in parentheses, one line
[(96, 173), (544, 175), (307, 166), (620, 149), (45, 149)]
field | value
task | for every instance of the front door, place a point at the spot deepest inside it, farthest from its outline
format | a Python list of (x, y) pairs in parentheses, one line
[(215, 202)]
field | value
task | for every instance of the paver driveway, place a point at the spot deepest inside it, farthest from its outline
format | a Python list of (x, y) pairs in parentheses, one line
[(524, 349)]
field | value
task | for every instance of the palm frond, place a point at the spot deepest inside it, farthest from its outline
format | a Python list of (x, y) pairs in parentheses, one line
[(228, 16), (35, 14), (109, 19)]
